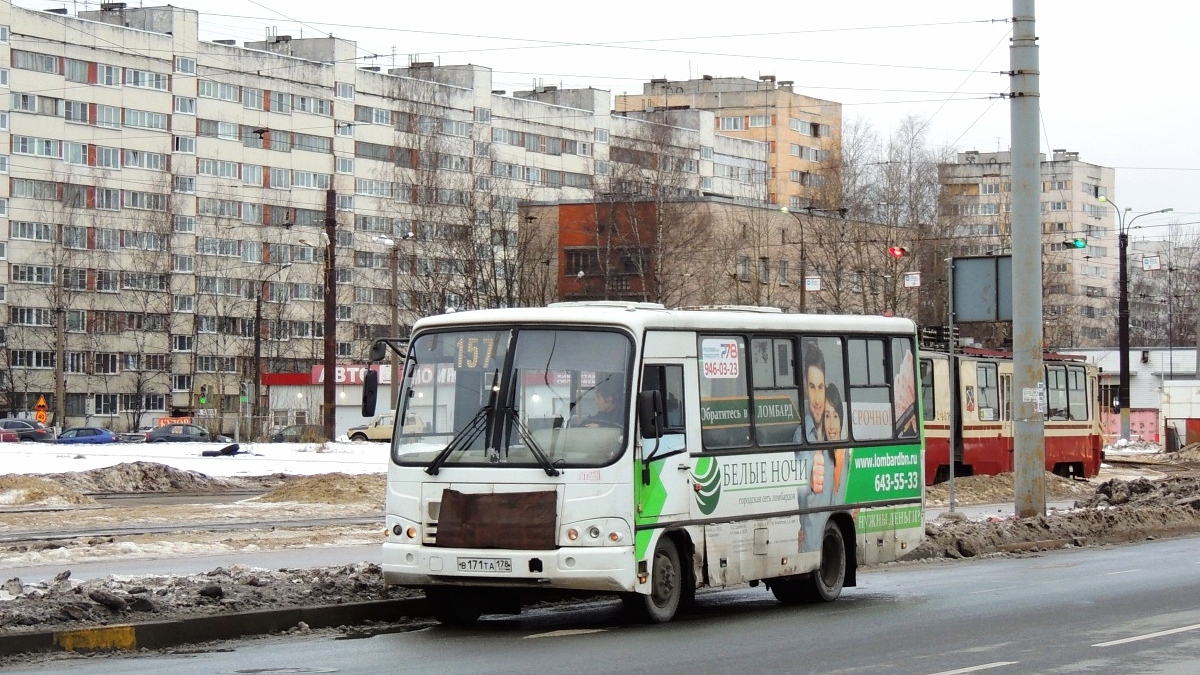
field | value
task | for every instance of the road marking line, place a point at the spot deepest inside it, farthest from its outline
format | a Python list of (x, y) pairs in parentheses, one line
[(973, 669), (1109, 574), (1147, 636), (993, 590), (566, 633)]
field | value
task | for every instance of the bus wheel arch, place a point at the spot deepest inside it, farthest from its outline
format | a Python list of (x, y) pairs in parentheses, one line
[(672, 586), (826, 582), (845, 523)]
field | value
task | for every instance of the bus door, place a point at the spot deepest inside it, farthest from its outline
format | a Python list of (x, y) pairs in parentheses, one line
[(662, 466)]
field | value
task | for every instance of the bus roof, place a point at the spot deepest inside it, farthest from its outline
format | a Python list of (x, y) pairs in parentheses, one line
[(641, 316)]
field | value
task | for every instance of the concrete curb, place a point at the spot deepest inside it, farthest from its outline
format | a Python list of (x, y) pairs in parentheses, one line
[(161, 634)]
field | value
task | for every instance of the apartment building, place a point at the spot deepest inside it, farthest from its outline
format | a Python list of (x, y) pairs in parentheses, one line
[(163, 221), (802, 133), (1079, 238)]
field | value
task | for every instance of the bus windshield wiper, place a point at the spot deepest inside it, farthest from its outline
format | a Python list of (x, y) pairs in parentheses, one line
[(462, 440), (527, 438)]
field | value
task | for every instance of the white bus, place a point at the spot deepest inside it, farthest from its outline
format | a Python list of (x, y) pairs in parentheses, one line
[(631, 449)]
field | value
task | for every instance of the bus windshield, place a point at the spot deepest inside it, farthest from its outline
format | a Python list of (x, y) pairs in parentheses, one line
[(540, 397)]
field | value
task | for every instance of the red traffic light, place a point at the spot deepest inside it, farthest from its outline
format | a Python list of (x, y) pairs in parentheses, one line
[(897, 251)]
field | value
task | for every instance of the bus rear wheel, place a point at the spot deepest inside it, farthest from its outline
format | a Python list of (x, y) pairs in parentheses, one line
[(666, 586), (453, 606), (825, 583)]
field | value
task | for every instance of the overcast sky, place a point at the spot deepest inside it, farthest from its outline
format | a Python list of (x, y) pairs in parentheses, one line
[(1117, 78)]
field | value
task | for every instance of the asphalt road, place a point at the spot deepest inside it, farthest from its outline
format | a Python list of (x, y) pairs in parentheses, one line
[(1132, 609)]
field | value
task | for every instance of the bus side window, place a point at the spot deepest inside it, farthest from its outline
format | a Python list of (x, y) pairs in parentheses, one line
[(668, 382)]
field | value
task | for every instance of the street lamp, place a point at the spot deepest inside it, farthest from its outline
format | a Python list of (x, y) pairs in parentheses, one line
[(394, 267), (256, 408), (1123, 309), (329, 405), (803, 259)]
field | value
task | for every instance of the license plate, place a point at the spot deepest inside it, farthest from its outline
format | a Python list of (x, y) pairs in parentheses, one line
[(485, 565)]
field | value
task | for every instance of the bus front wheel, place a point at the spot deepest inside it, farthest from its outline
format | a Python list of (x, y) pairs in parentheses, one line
[(666, 586), (452, 606), (825, 583)]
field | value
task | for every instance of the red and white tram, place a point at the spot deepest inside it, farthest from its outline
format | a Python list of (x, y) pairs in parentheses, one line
[(983, 426)]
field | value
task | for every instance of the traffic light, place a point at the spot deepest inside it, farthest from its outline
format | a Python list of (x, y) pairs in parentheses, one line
[(897, 251), (203, 394), (1076, 243)]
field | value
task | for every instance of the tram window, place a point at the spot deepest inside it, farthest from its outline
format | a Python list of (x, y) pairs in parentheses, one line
[(1056, 393), (1077, 400), (928, 396), (988, 389)]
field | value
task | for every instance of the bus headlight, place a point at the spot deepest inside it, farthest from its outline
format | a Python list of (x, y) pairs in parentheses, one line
[(405, 530), (599, 532)]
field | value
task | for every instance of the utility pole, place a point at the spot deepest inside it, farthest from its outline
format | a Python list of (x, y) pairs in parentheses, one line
[(330, 382), (1029, 449)]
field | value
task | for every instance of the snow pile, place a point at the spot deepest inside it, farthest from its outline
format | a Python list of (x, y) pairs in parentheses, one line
[(1119, 511), (140, 477), (63, 604), (29, 490)]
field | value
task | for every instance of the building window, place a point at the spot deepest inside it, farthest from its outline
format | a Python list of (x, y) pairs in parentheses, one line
[(185, 105), (252, 98), (75, 70), (185, 65), (732, 123), (145, 79), (185, 145), (343, 90), (181, 383), (218, 90)]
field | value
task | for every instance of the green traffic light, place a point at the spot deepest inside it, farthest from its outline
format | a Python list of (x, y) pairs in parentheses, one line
[(1078, 243)]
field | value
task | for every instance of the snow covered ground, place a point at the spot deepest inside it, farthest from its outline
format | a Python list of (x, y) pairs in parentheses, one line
[(253, 459)]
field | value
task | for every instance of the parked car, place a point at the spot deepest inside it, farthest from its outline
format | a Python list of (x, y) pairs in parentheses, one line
[(380, 429), (184, 433), (87, 435), (7, 436), (28, 430), (299, 433)]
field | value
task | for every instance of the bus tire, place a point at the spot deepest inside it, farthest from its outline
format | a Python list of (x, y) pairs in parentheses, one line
[(825, 582), (452, 606), (666, 585)]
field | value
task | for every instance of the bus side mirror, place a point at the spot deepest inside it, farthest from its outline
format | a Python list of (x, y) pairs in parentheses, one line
[(650, 414), (378, 352), (370, 392)]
